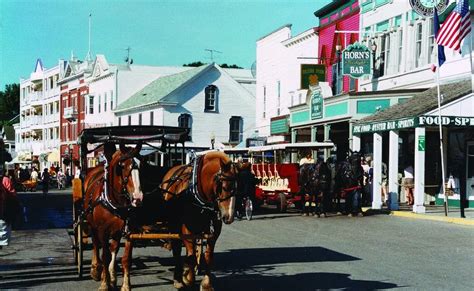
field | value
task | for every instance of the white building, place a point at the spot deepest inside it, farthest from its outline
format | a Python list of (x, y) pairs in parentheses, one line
[(112, 84), (405, 48), (38, 130), (207, 99), (279, 59)]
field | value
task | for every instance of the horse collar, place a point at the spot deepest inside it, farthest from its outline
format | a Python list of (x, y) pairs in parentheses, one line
[(194, 186)]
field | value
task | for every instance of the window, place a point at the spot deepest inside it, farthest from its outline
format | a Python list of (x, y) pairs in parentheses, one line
[(337, 78), (111, 100), (129, 120), (384, 54), (418, 36), (235, 129), (400, 50), (431, 42), (151, 117), (91, 104), (278, 97), (139, 119), (264, 101), (211, 93), (119, 121), (105, 101), (185, 121), (98, 109)]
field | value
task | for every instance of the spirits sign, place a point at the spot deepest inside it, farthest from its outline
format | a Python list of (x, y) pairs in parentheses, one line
[(356, 60)]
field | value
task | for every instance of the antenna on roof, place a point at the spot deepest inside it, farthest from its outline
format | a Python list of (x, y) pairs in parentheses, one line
[(88, 56), (127, 59), (212, 53)]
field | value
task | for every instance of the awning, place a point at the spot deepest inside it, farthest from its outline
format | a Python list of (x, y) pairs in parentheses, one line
[(17, 161), (53, 157)]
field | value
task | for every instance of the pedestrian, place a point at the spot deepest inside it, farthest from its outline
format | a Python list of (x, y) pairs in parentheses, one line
[(68, 177), (246, 183), (307, 159), (409, 184), (45, 181), (61, 179), (309, 203), (34, 175), (10, 207), (384, 182)]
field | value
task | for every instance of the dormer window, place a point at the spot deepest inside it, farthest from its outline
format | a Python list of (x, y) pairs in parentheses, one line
[(211, 98)]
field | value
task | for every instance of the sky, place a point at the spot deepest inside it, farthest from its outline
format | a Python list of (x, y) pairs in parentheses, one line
[(159, 32)]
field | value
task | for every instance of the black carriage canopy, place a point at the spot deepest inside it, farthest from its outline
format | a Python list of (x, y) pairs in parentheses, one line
[(134, 134)]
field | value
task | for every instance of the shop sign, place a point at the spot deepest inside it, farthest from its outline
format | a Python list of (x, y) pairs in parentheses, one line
[(316, 104), (421, 143), (384, 125), (312, 74), (446, 121), (356, 60), (256, 142), (426, 7)]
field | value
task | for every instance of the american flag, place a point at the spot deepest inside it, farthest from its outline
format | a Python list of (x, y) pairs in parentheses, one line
[(455, 27)]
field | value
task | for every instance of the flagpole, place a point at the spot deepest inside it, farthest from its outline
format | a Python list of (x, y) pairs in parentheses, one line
[(441, 148)]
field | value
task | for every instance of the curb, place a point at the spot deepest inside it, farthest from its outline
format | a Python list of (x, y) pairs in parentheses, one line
[(455, 220)]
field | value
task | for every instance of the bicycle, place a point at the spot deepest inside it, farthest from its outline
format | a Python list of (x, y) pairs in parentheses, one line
[(247, 207)]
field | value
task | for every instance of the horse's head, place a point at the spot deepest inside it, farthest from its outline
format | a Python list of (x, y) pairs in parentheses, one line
[(222, 185), (124, 176)]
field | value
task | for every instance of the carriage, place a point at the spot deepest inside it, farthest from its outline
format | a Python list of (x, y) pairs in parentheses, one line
[(277, 169), (161, 153), (157, 198)]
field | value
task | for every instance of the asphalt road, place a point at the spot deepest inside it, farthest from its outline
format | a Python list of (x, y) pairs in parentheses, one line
[(271, 252)]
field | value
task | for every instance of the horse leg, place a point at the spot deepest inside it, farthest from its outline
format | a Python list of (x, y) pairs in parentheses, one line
[(114, 247), (126, 263), (96, 262), (178, 263), (208, 263), (104, 284), (190, 259)]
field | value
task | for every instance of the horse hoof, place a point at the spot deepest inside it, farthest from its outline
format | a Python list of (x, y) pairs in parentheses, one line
[(206, 284), (104, 287), (178, 285), (125, 288), (188, 277)]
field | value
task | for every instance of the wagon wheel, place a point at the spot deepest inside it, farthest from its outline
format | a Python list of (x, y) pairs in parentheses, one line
[(282, 202), (248, 209), (79, 249)]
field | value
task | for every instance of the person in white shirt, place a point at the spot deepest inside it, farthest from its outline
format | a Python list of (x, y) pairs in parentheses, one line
[(308, 159), (408, 184), (34, 175)]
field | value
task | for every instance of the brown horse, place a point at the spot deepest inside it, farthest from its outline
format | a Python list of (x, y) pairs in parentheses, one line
[(204, 196), (111, 190)]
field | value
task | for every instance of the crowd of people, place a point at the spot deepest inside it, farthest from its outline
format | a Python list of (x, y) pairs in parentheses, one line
[(23, 176)]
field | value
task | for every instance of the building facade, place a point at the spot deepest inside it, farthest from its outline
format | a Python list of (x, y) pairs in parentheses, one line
[(37, 134), (217, 109), (280, 60)]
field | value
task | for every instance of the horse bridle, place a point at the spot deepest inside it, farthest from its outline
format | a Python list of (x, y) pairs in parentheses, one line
[(123, 191), (219, 178)]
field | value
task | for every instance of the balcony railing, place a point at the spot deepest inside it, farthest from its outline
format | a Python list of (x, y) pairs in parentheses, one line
[(70, 113)]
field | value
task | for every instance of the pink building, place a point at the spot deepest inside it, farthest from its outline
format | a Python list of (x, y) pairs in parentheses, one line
[(338, 28)]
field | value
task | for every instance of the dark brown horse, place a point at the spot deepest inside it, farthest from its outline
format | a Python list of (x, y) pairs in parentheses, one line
[(204, 195), (314, 180), (111, 190)]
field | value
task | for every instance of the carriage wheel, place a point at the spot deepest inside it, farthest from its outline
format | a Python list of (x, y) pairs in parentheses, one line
[(282, 202), (78, 250), (248, 209)]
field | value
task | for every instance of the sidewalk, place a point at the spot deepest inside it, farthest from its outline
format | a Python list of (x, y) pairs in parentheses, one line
[(433, 212)]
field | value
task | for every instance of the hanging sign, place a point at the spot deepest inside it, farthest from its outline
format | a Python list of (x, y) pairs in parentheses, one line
[(311, 73), (426, 7), (421, 143), (316, 104), (356, 60)]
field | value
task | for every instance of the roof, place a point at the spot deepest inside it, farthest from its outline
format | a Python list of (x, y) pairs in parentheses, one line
[(278, 29), (329, 7), (160, 88), (422, 102)]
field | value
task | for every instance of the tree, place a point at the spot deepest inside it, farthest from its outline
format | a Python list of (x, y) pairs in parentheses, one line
[(224, 66), (234, 66), (194, 64), (10, 101)]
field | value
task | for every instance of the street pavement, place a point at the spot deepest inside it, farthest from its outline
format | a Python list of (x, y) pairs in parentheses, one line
[(272, 252)]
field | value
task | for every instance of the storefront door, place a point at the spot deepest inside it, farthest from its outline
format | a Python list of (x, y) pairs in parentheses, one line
[(470, 169)]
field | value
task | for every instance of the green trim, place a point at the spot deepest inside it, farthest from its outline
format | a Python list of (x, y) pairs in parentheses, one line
[(414, 15), (382, 26), (367, 6), (279, 126), (454, 202), (379, 3), (336, 109), (299, 117), (397, 21), (371, 106)]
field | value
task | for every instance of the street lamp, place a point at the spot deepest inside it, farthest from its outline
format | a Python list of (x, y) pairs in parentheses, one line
[(213, 140), (373, 47), (338, 69)]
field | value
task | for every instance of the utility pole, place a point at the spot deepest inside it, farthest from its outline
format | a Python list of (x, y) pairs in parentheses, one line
[(128, 60), (212, 53)]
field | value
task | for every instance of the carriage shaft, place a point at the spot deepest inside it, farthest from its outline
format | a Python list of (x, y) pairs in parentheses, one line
[(138, 236)]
